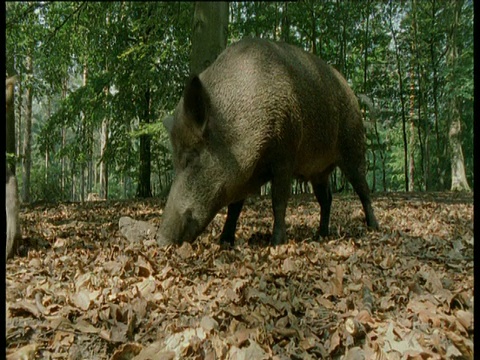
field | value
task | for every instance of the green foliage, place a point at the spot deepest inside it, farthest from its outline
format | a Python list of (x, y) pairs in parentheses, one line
[(126, 63), (47, 187)]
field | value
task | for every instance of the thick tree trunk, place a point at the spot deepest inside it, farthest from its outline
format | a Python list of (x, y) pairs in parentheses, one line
[(459, 178), (12, 204), (210, 31)]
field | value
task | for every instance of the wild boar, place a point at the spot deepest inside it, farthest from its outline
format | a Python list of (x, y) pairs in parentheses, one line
[(263, 111)]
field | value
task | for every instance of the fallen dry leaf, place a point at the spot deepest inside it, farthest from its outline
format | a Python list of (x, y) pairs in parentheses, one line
[(26, 352)]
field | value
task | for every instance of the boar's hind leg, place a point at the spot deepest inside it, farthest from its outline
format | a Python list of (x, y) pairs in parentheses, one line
[(228, 232), (280, 193), (323, 193), (357, 178)]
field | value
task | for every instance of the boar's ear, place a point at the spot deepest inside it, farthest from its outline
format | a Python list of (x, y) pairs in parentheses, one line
[(194, 102), (168, 123)]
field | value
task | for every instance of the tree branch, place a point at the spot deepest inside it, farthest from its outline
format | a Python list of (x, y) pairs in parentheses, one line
[(57, 29)]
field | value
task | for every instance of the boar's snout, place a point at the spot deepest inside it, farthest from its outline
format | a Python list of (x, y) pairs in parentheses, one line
[(177, 228)]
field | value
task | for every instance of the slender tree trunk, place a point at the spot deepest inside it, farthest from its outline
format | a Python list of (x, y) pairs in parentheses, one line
[(210, 31), (275, 28), (411, 163), (402, 101), (433, 62), (47, 148), (365, 86), (104, 138), (419, 98), (85, 134), (73, 193), (459, 178), (257, 11), (103, 152), (285, 35), (313, 18), (342, 46), (27, 145), (144, 184), (144, 189), (18, 119), (64, 142), (103, 156)]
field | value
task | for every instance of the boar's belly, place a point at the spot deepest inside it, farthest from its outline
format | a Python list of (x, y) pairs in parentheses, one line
[(313, 167)]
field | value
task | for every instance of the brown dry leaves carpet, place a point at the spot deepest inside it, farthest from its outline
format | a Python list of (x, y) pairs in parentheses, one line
[(83, 291)]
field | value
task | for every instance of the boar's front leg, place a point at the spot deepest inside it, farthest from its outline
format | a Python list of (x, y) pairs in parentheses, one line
[(228, 232)]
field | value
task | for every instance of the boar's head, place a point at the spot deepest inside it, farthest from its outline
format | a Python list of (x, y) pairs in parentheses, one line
[(197, 192)]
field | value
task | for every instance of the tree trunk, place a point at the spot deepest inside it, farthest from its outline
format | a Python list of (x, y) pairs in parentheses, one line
[(144, 183), (285, 35), (104, 139), (342, 41), (275, 27), (47, 148), (433, 62), (402, 101), (366, 90), (85, 134), (422, 138), (10, 122), (459, 178), (10, 144), (411, 162), (64, 143), (27, 145), (12, 205), (144, 189), (18, 132), (210, 31), (313, 48), (103, 161)]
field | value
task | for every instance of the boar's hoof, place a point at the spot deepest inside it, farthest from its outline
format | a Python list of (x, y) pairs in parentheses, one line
[(279, 239), (322, 232), (227, 240), (373, 225)]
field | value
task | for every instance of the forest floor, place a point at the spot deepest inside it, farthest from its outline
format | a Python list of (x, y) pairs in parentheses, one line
[(83, 291)]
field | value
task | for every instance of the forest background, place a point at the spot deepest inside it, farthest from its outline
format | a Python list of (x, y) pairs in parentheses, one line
[(96, 78)]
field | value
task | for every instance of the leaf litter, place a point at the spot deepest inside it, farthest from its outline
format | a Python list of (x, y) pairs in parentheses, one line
[(84, 291)]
